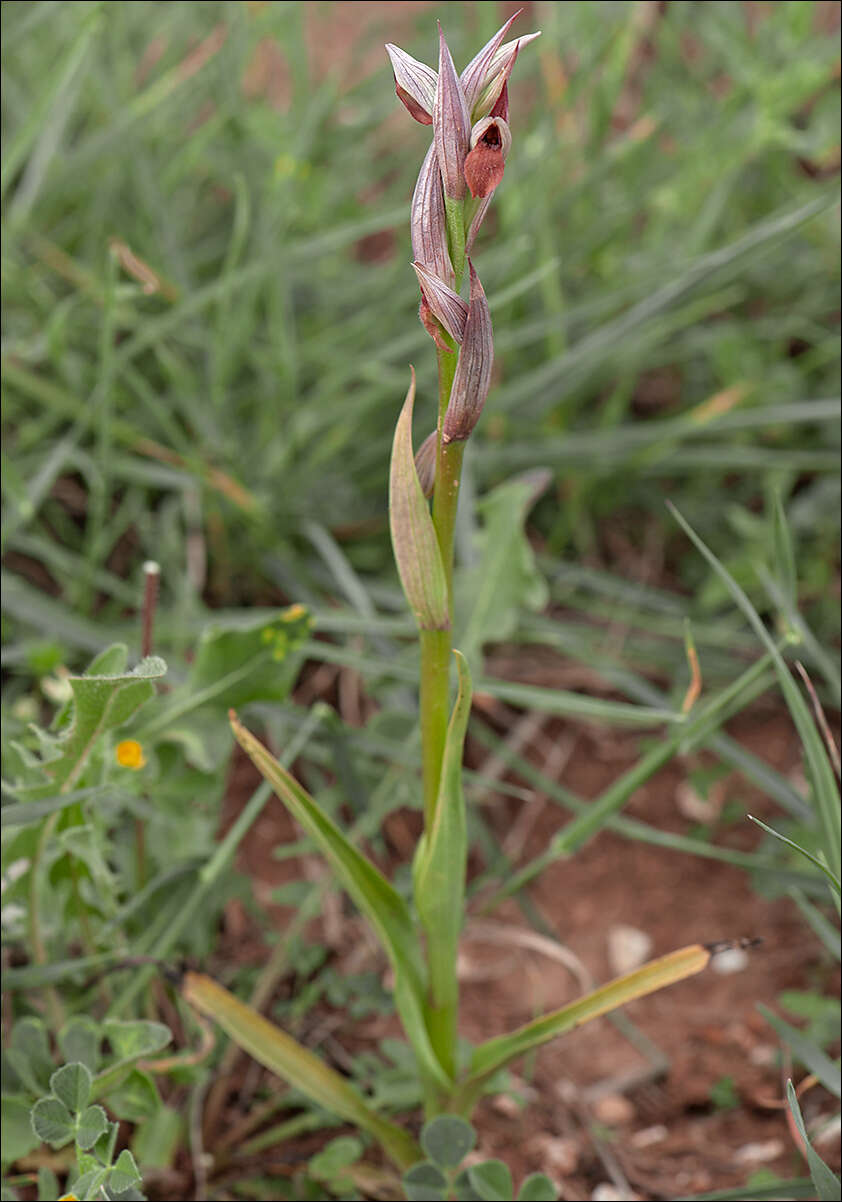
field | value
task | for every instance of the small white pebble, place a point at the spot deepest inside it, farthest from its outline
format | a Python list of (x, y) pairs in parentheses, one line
[(649, 1136), (733, 960), (759, 1153), (606, 1192), (627, 948)]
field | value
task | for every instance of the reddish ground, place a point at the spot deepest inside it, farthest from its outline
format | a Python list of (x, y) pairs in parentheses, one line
[(704, 1110)]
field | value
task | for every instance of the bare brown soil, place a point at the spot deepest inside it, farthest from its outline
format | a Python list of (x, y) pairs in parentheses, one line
[(701, 1107)]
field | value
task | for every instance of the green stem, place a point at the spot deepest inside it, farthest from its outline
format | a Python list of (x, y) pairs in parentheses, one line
[(434, 703)]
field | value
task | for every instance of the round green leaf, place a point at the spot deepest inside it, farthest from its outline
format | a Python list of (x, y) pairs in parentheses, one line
[(492, 1181), (537, 1188), (135, 1098), (447, 1140), (335, 1157), (124, 1175), (92, 1124), (79, 1041), (425, 1183), (71, 1084), (52, 1122), (18, 1137)]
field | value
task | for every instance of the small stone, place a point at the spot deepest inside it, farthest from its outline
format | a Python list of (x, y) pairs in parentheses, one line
[(627, 948), (614, 1110), (606, 1192), (733, 960), (556, 1155), (759, 1153), (692, 805), (649, 1136), (506, 1105)]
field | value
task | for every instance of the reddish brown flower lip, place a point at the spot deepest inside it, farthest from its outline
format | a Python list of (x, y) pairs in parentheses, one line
[(485, 163)]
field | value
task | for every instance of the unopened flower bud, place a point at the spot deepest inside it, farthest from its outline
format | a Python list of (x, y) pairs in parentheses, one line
[(491, 141), (446, 304), (473, 371), (415, 84), (428, 225)]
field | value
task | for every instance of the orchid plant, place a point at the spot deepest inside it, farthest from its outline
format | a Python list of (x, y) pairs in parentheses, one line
[(464, 165)]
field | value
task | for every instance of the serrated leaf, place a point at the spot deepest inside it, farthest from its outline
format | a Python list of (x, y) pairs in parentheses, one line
[(414, 540), (100, 704), (447, 1140), (93, 1123), (373, 895), (71, 1084), (79, 1041), (537, 1188), (282, 1054), (826, 1182), (124, 1175), (492, 1181), (425, 1182), (52, 1122)]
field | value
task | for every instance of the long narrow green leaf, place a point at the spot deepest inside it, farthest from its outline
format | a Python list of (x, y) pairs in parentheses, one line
[(828, 1185), (371, 892), (823, 930), (495, 1053), (282, 1054), (439, 876), (833, 880), (825, 793), (807, 1051)]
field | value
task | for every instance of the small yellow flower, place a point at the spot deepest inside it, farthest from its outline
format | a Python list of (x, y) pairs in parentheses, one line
[(129, 754), (68, 1198)]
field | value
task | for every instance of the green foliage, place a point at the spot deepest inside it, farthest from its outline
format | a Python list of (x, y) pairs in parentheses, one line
[(447, 1140)]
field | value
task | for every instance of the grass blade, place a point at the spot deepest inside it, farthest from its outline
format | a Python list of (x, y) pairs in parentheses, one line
[(282, 1054), (495, 1053), (373, 895)]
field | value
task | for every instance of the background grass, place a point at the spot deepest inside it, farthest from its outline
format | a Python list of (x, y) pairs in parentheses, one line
[(208, 319)]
